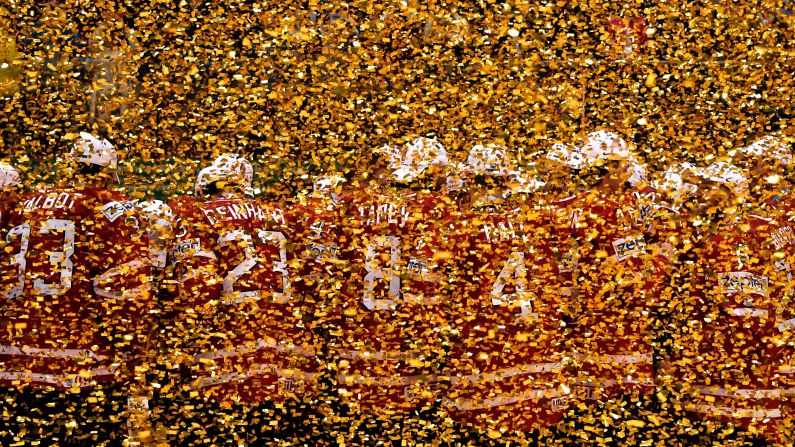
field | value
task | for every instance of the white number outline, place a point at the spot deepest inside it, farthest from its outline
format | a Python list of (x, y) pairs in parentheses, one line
[(250, 261), (23, 231), (513, 267), (388, 273), (56, 257)]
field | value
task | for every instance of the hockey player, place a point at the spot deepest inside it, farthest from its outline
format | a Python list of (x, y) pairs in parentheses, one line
[(507, 360), (389, 336), (769, 163), (616, 284), (320, 215), (75, 305), (249, 360), (609, 227), (724, 354)]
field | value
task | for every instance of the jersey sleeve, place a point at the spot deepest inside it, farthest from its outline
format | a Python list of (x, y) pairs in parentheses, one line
[(121, 275), (193, 259)]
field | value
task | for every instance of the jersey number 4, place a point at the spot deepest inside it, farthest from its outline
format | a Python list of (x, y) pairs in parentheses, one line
[(514, 273)]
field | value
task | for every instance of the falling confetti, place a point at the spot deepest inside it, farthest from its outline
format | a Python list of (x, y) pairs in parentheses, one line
[(396, 223)]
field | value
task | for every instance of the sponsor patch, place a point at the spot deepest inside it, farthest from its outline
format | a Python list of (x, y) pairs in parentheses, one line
[(629, 246)]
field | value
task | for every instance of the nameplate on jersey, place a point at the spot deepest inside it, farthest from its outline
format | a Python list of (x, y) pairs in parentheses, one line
[(387, 213), (742, 282), (629, 246), (114, 210), (504, 231)]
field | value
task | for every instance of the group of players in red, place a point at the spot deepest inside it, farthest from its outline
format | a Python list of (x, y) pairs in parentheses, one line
[(415, 301)]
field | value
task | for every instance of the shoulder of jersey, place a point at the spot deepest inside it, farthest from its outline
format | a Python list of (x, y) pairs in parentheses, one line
[(756, 223), (181, 202), (114, 205), (183, 205)]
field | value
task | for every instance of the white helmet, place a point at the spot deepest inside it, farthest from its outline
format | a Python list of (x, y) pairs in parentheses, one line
[(8, 176), (637, 171), (602, 145), (392, 155), (727, 174), (674, 185), (231, 168), (523, 183), (92, 150), (420, 155), (672, 178), (771, 147), (491, 160), (566, 155)]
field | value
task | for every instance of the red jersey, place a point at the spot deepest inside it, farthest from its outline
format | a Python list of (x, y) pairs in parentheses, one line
[(7, 205), (785, 313), (615, 279), (76, 289), (240, 321), (506, 366), (317, 221), (389, 337), (725, 356)]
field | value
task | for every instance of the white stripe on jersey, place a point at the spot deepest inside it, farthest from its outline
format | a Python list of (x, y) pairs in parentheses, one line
[(532, 368), (252, 347), (48, 352), (771, 413), (510, 399)]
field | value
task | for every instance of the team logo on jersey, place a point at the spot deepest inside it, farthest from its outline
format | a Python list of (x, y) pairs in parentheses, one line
[(114, 210), (559, 403), (421, 271), (629, 246), (783, 236), (742, 282)]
